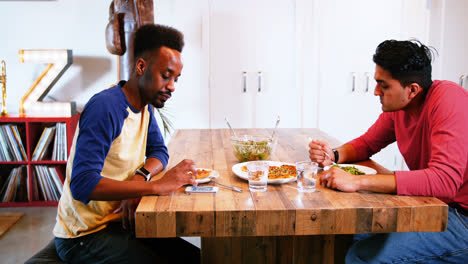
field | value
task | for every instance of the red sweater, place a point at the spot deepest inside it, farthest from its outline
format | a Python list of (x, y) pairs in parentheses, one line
[(434, 143)]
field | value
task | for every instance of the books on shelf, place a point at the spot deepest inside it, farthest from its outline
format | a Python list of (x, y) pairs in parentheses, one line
[(20, 136), (57, 152), (43, 143), (46, 183), (11, 145), (12, 148), (15, 187)]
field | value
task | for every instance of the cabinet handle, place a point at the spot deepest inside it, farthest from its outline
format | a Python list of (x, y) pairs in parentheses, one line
[(259, 81), (244, 81), (353, 87), (367, 82), (462, 80)]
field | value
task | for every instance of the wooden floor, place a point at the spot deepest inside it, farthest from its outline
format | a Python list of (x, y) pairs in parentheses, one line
[(32, 232)]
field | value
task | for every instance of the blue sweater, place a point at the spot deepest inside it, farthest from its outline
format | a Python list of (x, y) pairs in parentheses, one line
[(100, 124)]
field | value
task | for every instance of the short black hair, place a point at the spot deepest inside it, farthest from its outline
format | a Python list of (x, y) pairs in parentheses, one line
[(151, 36), (407, 61)]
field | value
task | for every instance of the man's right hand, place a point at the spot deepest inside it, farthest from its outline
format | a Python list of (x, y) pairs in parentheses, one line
[(176, 177), (316, 152)]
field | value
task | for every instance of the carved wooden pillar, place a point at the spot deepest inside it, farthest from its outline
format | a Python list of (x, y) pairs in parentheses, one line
[(125, 17)]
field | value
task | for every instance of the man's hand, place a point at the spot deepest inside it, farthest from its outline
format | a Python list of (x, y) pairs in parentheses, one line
[(176, 177), (128, 213), (316, 152), (128, 208), (337, 178)]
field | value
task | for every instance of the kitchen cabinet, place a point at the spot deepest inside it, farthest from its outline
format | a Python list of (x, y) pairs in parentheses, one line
[(308, 61), (348, 33), (189, 105), (239, 62), (448, 35), (253, 64)]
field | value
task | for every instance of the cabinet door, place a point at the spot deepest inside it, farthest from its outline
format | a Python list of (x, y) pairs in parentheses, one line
[(349, 32), (232, 59), (189, 105), (252, 63), (449, 22)]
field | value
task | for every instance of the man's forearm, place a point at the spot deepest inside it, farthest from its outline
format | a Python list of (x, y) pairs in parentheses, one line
[(375, 183), (153, 165), (347, 153), (378, 183), (113, 190)]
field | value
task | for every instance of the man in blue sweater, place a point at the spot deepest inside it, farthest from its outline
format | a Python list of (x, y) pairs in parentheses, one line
[(117, 148)]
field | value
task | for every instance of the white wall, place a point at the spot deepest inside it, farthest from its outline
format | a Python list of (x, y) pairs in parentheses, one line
[(75, 25), (80, 26)]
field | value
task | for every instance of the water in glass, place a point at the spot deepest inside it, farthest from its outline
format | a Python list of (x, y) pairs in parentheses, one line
[(306, 176), (258, 175)]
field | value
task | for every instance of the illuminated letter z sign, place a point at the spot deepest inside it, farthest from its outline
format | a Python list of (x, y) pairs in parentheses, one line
[(58, 62)]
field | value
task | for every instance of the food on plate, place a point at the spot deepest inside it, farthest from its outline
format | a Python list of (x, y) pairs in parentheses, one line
[(350, 169), (253, 148), (285, 171), (278, 172), (202, 173)]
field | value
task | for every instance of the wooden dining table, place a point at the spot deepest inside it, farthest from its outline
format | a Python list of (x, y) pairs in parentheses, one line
[(280, 225)]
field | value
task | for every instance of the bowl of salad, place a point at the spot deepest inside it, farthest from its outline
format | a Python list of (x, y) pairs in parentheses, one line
[(247, 147)]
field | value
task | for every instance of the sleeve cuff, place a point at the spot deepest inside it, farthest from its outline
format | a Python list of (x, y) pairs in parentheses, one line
[(83, 185), (163, 160)]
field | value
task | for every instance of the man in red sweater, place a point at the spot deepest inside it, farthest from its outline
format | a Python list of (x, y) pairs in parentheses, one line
[(429, 121)]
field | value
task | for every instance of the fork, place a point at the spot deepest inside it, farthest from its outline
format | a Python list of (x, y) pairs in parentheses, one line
[(326, 153), (276, 126), (226, 186)]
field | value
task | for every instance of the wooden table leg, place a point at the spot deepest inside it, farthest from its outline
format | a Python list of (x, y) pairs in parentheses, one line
[(328, 249), (280, 249)]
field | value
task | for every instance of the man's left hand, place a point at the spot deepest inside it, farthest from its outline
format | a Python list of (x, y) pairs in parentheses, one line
[(128, 208), (128, 213), (337, 178)]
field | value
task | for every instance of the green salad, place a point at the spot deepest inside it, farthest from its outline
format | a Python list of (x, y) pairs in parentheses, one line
[(247, 150), (350, 169)]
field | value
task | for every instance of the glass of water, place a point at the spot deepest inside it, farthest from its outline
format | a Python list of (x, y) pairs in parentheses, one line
[(306, 176), (258, 175)]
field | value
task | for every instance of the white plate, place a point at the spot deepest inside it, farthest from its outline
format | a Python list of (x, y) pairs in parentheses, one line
[(364, 169), (237, 169), (213, 174)]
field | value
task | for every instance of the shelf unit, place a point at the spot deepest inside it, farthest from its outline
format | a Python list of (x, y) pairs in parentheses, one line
[(30, 129)]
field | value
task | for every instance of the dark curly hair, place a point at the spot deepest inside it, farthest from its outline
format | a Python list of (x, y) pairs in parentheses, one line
[(407, 61), (151, 36)]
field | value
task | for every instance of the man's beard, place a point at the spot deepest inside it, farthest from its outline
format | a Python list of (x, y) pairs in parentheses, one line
[(159, 103)]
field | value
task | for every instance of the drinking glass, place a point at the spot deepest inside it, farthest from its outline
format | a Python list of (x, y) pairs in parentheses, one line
[(306, 176), (258, 175)]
